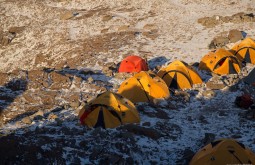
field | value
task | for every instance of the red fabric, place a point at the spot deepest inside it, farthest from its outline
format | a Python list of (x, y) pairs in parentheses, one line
[(244, 101), (84, 116), (221, 62), (133, 64)]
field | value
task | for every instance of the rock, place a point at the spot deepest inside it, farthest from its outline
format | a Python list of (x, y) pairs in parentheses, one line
[(59, 81), (235, 35), (59, 121), (38, 117), (161, 114), (123, 28), (97, 150), (214, 85), (150, 27), (187, 156), (220, 41), (68, 15), (47, 100), (38, 113), (208, 22), (208, 138), (52, 116), (146, 124), (75, 104), (90, 80), (26, 120), (5, 41), (16, 29), (4, 78), (107, 71), (128, 136), (202, 119), (171, 130), (105, 30), (66, 106), (138, 130), (223, 113), (183, 94), (38, 79), (209, 93), (107, 18), (17, 124)]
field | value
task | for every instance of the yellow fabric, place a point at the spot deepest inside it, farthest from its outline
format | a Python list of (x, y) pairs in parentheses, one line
[(90, 119), (227, 151), (123, 107), (110, 121), (240, 50), (186, 75), (210, 62), (184, 82), (144, 87)]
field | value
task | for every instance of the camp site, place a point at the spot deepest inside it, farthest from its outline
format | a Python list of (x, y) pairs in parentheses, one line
[(161, 82)]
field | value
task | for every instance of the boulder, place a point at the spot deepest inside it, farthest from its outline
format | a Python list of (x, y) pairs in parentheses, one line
[(235, 35), (52, 116), (208, 138), (59, 81), (209, 93), (4, 78), (68, 15), (16, 29), (107, 18), (215, 85), (26, 120), (38, 79), (220, 41)]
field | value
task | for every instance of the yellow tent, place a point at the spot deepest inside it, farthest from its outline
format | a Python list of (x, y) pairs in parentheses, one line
[(245, 50), (144, 87), (109, 110), (220, 62), (179, 75), (223, 152)]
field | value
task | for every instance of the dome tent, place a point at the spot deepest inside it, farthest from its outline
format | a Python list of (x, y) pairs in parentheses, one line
[(144, 87), (245, 50), (224, 151), (132, 64), (221, 62), (109, 110), (179, 75)]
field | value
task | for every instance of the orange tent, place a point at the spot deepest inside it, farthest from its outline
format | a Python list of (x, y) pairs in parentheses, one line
[(144, 87), (109, 110), (245, 50), (220, 62), (223, 151), (133, 64), (179, 75)]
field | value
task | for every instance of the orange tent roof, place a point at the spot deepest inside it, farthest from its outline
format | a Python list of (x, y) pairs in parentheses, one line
[(133, 64)]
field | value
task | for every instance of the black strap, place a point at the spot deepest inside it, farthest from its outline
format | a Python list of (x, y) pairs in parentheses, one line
[(233, 153), (144, 90), (244, 48)]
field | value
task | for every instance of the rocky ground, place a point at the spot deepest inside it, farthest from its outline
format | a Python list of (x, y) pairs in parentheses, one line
[(56, 55)]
